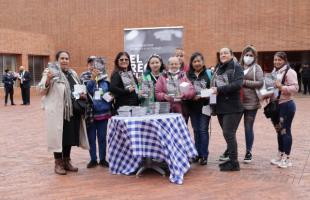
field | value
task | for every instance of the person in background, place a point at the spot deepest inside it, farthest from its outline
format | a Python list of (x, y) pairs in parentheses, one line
[(200, 78), (25, 78), (97, 87), (8, 81), (253, 79), (180, 54), (65, 122), (167, 86), (226, 84), (86, 75), (287, 108), (125, 93), (305, 75)]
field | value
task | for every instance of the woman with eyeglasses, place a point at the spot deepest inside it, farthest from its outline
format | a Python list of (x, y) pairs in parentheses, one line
[(253, 79), (168, 86), (123, 82)]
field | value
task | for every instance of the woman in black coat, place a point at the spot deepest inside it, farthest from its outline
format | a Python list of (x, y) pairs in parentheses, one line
[(123, 82), (226, 84)]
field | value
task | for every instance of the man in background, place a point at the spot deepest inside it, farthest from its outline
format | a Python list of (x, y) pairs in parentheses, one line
[(8, 80), (179, 53), (25, 78)]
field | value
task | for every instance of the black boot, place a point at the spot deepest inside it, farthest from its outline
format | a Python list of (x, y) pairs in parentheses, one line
[(230, 165)]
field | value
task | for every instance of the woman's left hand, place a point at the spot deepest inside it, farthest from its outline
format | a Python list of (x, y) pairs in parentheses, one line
[(278, 85)]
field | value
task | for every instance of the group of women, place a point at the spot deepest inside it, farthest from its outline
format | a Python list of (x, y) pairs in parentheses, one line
[(234, 84)]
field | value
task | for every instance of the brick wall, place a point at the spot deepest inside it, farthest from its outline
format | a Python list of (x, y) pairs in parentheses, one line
[(95, 27)]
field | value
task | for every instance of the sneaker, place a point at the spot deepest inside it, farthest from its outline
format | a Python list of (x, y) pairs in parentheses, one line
[(224, 156), (230, 166), (104, 163), (285, 163), (276, 161), (247, 157), (92, 164)]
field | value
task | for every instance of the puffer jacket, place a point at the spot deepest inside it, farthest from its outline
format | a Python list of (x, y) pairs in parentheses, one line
[(250, 84)]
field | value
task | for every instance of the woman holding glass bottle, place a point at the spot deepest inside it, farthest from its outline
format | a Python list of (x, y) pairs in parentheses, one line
[(154, 68), (65, 123), (169, 83)]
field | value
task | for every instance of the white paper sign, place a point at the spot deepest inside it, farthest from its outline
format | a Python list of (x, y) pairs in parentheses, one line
[(206, 92), (79, 89), (107, 97), (206, 110), (213, 99)]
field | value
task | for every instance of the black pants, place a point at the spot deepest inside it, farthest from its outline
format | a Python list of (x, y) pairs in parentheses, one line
[(26, 95), (229, 124), (66, 151), (9, 91), (306, 83)]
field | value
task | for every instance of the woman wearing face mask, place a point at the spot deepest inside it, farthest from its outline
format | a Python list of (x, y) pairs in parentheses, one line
[(287, 108), (251, 102), (167, 86), (125, 92), (199, 77), (154, 68), (65, 125), (226, 84)]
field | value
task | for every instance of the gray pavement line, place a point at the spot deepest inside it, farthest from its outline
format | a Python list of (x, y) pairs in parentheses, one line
[(303, 170)]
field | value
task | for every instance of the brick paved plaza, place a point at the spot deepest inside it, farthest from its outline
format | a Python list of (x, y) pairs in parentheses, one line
[(26, 168)]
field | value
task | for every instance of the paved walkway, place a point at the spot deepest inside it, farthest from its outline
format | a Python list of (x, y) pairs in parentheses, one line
[(26, 168)]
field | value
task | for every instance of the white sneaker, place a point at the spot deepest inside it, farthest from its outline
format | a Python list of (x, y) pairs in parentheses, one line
[(276, 161), (285, 163)]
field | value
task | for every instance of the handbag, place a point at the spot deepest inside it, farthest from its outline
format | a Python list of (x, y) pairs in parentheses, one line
[(264, 92), (271, 110), (79, 106)]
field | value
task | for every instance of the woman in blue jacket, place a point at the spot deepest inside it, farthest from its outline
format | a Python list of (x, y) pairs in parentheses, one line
[(98, 88)]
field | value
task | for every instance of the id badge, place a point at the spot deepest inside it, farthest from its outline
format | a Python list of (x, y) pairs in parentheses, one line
[(97, 95), (213, 99)]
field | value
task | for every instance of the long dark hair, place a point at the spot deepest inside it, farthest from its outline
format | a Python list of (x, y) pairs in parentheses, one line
[(192, 58), (116, 65), (148, 68), (60, 52)]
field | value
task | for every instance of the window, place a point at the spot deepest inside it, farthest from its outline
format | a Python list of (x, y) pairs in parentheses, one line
[(36, 67), (7, 61)]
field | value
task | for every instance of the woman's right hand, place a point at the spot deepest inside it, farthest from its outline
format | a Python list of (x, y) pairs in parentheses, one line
[(131, 89), (94, 73), (167, 97), (49, 78)]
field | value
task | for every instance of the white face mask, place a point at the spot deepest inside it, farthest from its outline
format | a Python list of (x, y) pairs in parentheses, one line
[(248, 60)]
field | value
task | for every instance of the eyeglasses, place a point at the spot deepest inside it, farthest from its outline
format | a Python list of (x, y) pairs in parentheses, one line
[(123, 59)]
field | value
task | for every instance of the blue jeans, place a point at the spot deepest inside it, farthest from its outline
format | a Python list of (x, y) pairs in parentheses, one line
[(283, 124), (200, 123), (249, 118), (97, 129)]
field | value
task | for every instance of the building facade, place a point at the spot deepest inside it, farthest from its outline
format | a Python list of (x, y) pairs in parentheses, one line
[(32, 31)]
